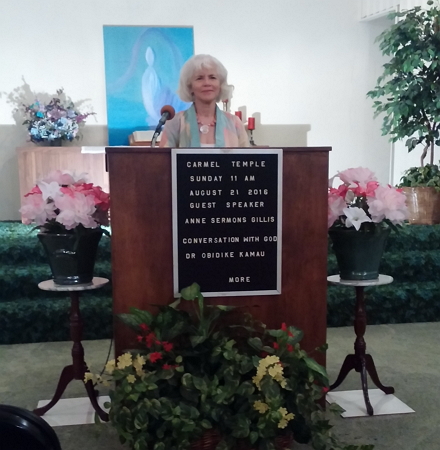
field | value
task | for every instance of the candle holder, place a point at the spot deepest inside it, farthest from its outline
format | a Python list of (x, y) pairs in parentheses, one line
[(251, 128), (251, 140)]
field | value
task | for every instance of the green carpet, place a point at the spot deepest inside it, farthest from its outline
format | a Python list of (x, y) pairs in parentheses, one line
[(28, 314), (412, 258)]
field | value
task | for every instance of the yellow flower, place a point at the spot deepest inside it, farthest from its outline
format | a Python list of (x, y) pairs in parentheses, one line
[(260, 406), (283, 411), (286, 417), (271, 359), (88, 377), (138, 363), (282, 423), (275, 371), (131, 378), (124, 361), (110, 366)]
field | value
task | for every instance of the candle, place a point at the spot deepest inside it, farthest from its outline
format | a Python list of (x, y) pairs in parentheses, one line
[(238, 114), (251, 123)]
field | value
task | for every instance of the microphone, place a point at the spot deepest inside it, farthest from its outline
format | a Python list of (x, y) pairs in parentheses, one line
[(167, 112)]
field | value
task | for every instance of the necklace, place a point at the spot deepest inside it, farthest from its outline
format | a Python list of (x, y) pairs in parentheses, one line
[(204, 128)]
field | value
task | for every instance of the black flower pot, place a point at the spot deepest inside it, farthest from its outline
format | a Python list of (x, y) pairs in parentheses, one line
[(71, 256), (359, 253)]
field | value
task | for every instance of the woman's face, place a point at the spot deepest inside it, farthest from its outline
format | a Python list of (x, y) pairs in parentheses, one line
[(205, 85)]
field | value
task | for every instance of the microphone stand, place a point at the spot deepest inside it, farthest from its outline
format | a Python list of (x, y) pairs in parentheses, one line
[(153, 141)]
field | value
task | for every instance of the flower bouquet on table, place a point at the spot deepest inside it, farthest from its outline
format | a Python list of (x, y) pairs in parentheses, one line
[(70, 213), (197, 380), (361, 213), (54, 121)]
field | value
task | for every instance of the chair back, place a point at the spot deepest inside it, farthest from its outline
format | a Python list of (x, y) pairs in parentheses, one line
[(21, 429)]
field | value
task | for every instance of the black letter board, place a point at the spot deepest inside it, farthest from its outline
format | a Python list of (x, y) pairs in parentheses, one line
[(227, 207)]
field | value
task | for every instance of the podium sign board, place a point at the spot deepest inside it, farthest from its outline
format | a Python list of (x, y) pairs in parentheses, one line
[(227, 220)]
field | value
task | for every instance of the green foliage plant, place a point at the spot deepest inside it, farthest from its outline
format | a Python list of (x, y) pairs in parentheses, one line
[(408, 91), (426, 176), (202, 369)]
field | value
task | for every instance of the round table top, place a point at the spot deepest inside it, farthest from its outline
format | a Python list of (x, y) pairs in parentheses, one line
[(96, 283), (383, 279)]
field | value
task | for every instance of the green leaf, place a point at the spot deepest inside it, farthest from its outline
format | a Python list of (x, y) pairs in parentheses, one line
[(189, 394), (253, 436), (222, 445), (143, 316), (313, 365), (200, 384), (255, 343), (206, 424), (159, 445), (246, 389), (191, 292), (187, 380), (196, 340)]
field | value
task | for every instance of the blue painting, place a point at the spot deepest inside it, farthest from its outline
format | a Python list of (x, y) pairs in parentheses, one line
[(142, 66)]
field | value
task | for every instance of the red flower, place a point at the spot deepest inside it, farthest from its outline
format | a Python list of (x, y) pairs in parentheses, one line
[(155, 356), (289, 333), (264, 354), (143, 326), (150, 339), (167, 346), (168, 367), (290, 348), (284, 326), (34, 190), (275, 346), (325, 390), (139, 338)]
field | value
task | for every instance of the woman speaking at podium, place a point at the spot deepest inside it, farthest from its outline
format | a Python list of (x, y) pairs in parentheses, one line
[(203, 81)]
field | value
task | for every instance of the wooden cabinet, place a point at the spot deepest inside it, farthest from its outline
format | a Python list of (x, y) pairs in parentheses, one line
[(36, 162)]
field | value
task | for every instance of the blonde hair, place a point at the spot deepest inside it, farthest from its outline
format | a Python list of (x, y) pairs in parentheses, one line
[(198, 62)]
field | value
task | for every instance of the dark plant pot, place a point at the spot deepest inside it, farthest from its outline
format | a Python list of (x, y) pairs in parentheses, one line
[(358, 253), (71, 256), (55, 143)]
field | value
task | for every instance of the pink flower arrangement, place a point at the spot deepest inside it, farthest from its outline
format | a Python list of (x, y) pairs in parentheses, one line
[(360, 199), (63, 201)]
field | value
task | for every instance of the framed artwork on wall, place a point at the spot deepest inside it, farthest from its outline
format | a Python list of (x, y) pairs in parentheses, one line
[(142, 66)]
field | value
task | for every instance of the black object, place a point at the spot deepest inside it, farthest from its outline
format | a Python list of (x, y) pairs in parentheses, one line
[(359, 253), (228, 234), (21, 429), (167, 112), (71, 256)]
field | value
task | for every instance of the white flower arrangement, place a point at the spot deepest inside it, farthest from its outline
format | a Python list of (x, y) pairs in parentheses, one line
[(360, 199), (56, 120)]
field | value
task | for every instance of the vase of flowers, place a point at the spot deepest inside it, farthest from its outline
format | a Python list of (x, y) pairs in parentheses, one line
[(54, 122), (361, 214), (69, 213), (197, 381)]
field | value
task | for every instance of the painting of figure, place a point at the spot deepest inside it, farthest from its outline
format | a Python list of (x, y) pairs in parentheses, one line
[(142, 66)]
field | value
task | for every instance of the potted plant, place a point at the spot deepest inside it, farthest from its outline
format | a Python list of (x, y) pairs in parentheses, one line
[(69, 212), (407, 93), (361, 213), (204, 376), (55, 121)]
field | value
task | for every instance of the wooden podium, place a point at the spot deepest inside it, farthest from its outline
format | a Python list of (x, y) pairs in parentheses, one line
[(142, 258)]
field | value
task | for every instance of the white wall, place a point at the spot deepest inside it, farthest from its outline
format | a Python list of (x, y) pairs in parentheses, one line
[(307, 62)]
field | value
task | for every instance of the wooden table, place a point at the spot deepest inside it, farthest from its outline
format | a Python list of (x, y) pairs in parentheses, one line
[(78, 368), (360, 361)]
